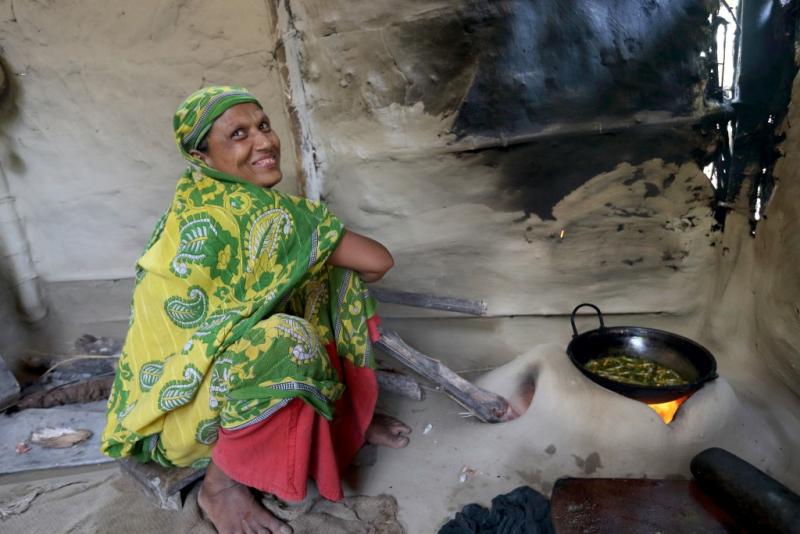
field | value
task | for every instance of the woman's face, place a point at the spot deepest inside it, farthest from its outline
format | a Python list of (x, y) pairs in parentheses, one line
[(242, 143)]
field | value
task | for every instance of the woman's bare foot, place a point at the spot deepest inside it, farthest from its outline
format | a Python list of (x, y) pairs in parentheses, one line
[(388, 432), (230, 506)]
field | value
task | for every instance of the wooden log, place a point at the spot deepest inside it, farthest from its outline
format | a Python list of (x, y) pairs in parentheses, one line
[(433, 302), (76, 379), (9, 387), (399, 385), (78, 391), (758, 501), (163, 484), (485, 405)]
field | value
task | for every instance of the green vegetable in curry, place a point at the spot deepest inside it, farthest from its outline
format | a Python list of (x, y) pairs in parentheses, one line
[(635, 371)]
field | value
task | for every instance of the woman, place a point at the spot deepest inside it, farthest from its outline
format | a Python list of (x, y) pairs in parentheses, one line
[(248, 350)]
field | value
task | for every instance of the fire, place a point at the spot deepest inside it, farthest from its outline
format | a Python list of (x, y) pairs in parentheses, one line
[(666, 410)]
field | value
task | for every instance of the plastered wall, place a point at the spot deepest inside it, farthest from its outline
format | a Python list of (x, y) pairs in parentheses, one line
[(394, 90), (87, 142), (775, 274), (87, 149), (86, 134), (613, 210)]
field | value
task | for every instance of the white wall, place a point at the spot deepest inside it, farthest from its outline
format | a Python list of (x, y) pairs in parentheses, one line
[(87, 145)]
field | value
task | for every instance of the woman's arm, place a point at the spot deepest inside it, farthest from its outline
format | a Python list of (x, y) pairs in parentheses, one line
[(366, 256)]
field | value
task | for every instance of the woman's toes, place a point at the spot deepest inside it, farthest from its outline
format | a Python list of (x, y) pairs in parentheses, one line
[(400, 441), (275, 526), (400, 428)]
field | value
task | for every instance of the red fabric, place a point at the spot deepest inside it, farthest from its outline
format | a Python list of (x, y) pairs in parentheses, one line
[(278, 455), (372, 326)]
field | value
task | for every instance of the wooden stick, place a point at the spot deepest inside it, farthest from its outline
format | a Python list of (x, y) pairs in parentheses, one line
[(399, 385), (422, 300), (485, 405)]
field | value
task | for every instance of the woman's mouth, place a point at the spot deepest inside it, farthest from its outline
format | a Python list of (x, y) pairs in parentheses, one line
[(266, 162)]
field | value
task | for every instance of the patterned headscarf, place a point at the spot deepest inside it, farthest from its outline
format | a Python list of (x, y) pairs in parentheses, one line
[(197, 114)]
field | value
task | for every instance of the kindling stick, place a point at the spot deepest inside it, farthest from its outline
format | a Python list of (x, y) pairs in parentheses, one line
[(399, 385), (485, 405), (423, 300)]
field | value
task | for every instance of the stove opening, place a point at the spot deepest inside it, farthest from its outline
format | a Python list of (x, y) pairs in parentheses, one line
[(667, 410)]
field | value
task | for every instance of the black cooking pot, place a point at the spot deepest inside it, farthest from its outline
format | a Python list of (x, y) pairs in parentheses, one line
[(693, 362)]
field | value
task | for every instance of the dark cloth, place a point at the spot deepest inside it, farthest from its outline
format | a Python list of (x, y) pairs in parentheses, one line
[(522, 511)]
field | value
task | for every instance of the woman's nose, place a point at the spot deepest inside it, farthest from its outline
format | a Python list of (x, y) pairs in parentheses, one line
[(264, 140)]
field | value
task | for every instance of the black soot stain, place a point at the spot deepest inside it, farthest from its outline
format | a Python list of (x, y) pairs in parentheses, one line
[(638, 175), (633, 262), (651, 190), (554, 61), (544, 64), (592, 463), (537, 175)]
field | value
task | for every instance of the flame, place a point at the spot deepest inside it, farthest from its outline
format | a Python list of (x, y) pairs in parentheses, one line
[(666, 410)]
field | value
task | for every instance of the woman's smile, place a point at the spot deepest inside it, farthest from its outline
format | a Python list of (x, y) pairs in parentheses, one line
[(266, 162)]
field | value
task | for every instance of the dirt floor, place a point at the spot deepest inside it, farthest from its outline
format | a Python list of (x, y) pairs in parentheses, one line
[(571, 428)]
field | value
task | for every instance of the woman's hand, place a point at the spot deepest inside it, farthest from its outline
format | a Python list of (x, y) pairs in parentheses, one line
[(366, 256)]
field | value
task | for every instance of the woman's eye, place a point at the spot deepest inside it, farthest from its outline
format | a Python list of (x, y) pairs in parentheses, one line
[(264, 126), (239, 132)]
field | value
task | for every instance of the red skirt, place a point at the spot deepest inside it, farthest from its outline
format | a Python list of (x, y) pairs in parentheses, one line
[(278, 455)]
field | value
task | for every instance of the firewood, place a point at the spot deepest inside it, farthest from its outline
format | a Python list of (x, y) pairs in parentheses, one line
[(434, 302), (78, 391), (399, 384), (485, 405)]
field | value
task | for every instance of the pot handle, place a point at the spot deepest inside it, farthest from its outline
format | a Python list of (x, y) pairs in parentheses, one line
[(575, 311)]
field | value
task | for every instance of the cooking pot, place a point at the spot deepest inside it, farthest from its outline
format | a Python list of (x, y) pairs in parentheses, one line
[(692, 361)]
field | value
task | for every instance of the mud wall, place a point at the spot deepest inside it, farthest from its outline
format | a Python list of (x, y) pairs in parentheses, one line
[(518, 152), (776, 267), (87, 145), (574, 180), (86, 138)]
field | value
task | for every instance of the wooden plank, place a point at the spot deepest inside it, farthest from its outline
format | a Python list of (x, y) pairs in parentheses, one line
[(485, 405), (9, 387), (633, 505), (433, 302), (164, 484), (17, 428)]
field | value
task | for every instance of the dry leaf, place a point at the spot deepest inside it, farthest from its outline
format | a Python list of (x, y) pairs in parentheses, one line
[(59, 437)]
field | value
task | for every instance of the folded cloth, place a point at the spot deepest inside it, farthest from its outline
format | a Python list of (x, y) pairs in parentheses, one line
[(522, 511)]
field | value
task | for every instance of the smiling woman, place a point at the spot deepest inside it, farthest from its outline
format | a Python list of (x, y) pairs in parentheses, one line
[(248, 350)]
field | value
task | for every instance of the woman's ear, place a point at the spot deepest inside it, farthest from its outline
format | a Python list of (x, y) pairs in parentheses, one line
[(202, 156)]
